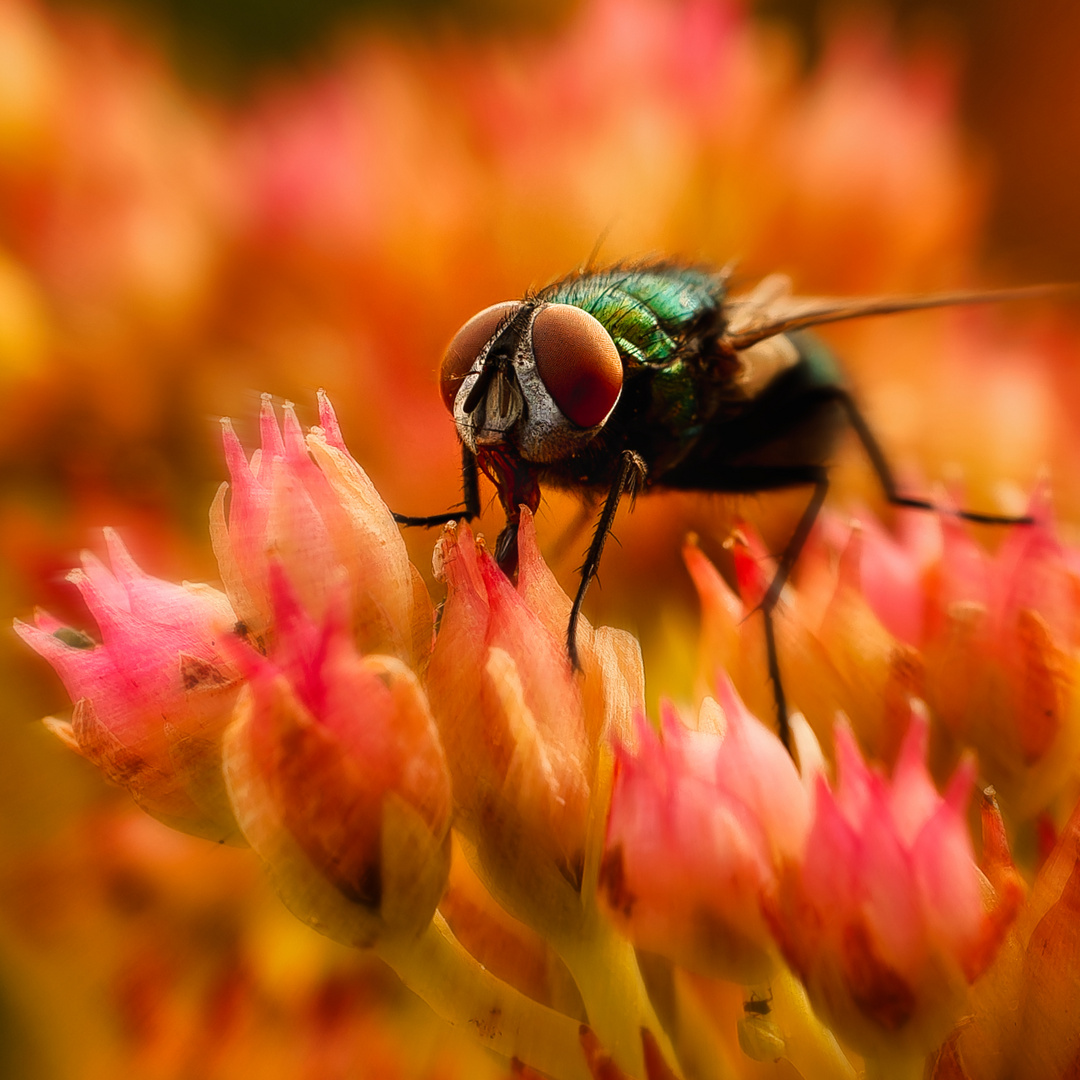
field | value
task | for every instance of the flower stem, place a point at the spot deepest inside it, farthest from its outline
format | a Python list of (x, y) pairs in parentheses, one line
[(897, 1066), (809, 1045), (463, 992), (605, 968)]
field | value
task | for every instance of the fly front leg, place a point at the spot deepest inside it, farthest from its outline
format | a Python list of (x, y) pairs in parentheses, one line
[(628, 481), (469, 507)]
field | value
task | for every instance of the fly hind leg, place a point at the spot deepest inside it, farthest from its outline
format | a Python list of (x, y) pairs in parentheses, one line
[(774, 478), (888, 483)]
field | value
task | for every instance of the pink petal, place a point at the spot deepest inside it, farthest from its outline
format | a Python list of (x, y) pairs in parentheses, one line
[(913, 797), (272, 444), (854, 780), (329, 422), (947, 879)]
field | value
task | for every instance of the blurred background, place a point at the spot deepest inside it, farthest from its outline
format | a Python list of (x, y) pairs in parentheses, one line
[(202, 201)]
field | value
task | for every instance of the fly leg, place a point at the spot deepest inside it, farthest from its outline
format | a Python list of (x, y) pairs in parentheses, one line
[(570, 534), (469, 507), (772, 595), (628, 480), (888, 483), (757, 478)]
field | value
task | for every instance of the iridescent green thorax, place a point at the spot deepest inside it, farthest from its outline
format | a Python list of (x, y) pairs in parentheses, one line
[(646, 310)]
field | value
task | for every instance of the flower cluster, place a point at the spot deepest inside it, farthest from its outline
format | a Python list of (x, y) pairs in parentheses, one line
[(312, 711), (584, 891)]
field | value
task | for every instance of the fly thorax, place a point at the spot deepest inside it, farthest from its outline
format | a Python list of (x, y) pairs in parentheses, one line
[(504, 399)]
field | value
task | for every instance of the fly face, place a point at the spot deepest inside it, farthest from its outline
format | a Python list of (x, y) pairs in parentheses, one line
[(532, 379)]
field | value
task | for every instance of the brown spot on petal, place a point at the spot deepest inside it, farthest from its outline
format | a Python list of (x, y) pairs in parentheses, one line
[(74, 639), (1042, 686), (489, 1025), (878, 990), (613, 882), (120, 764), (199, 674)]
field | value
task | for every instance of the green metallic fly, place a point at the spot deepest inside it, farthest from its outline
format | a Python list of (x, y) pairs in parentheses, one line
[(650, 376)]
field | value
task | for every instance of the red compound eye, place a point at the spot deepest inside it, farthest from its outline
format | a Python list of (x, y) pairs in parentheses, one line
[(578, 362), (462, 352)]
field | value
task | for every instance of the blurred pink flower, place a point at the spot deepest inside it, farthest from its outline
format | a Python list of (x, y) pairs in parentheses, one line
[(990, 638), (152, 699), (1021, 1018), (338, 779), (700, 822), (885, 917)]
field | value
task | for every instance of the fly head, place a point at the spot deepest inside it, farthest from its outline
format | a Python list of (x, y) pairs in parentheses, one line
[(531, 379)]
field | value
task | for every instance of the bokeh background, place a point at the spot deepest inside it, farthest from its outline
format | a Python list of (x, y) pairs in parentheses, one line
[(201, 201)]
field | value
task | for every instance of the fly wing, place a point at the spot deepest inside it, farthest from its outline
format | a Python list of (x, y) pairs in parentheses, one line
[(760, 361), (768, 311)]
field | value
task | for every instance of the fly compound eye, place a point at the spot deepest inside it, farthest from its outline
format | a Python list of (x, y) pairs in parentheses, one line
[(466, 346), (578, 362)]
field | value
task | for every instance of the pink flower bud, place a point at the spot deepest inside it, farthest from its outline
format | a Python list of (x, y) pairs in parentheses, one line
[(884, 917), (306, 503), (338, 779), (152, 699), (700, 822)]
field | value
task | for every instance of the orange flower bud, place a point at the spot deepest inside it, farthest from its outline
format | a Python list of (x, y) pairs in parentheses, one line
[(520, 734), (338, 779)]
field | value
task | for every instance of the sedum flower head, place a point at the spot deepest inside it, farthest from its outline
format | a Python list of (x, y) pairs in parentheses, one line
[(154, 695), (884, 917), (700, 822), (339, 782), (991, 639)]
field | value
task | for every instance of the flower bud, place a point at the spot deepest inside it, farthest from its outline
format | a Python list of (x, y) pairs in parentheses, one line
[(339, 783), (309, 505), (153, 697), (886, 918), (521, 733), (699, 824), (1002, 668)]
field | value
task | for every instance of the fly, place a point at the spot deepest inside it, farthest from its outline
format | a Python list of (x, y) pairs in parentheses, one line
[(650, 376)]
